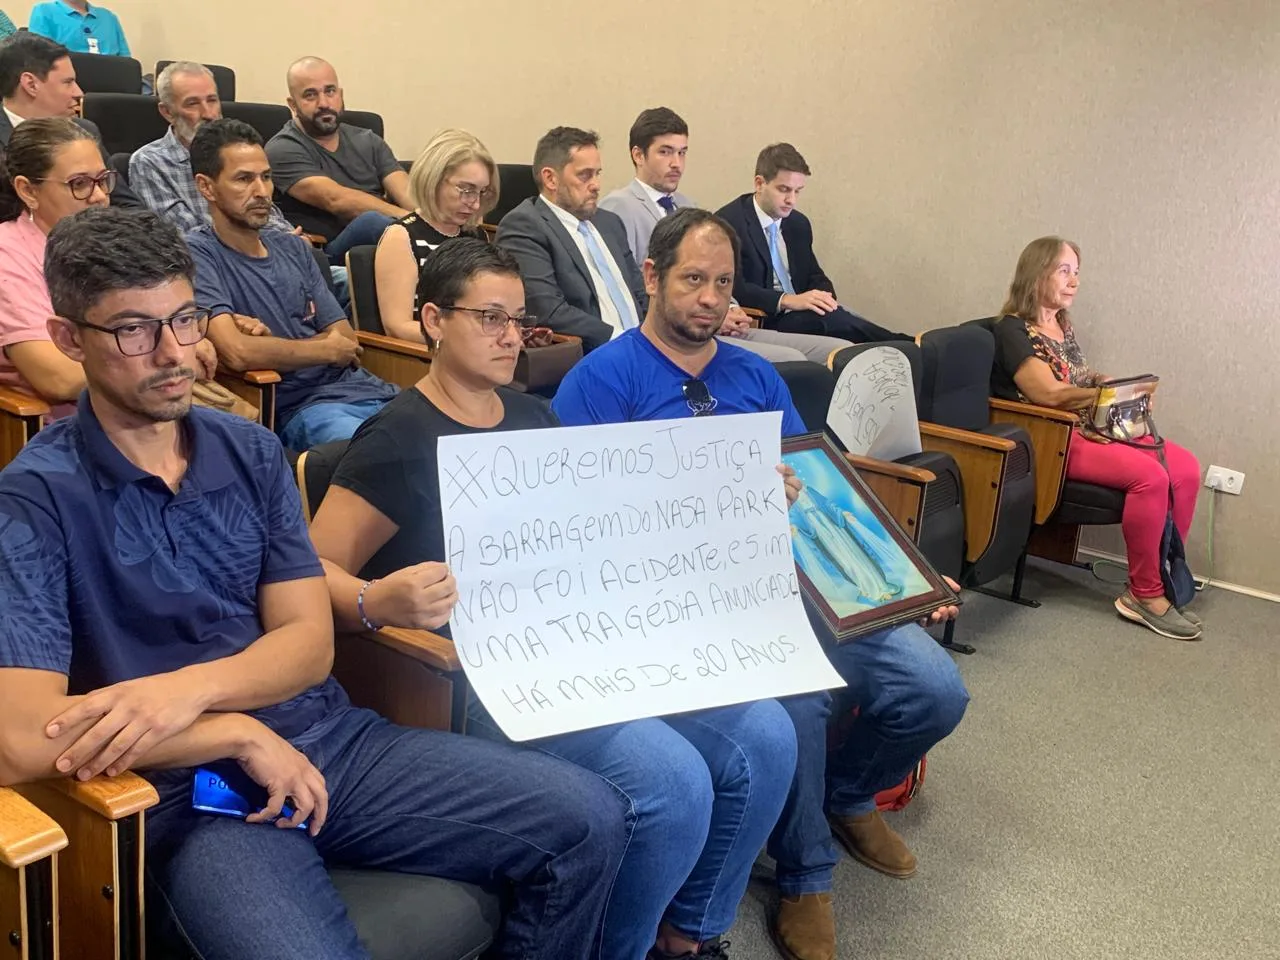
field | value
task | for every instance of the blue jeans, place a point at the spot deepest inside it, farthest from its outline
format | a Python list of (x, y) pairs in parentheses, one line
[(909, 695), (415, 801), (323, 422), (364, 230), (704, 790)]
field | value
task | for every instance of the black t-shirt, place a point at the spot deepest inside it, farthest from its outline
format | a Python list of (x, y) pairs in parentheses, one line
[(1013, 348), (391, 464)]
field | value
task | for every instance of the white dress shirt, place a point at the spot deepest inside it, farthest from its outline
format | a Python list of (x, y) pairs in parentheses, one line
[(655, 196), (15, 121), (765, 222), (608, 312)]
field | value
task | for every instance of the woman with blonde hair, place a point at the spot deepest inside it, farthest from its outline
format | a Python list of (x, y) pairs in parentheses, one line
[(1038, 359), (454, 183)]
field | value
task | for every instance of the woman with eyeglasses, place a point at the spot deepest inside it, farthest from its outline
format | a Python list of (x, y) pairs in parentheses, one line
[(51, 169), (454, 183)]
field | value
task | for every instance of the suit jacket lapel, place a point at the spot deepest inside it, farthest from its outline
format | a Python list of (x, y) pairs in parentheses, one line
[(646, 204), (755, 235), (570, 245)]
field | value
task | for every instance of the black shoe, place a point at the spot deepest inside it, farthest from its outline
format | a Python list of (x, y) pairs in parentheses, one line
[(713, 949)]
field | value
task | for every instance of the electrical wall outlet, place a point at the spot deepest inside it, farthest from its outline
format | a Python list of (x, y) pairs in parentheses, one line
[(1228, 481)]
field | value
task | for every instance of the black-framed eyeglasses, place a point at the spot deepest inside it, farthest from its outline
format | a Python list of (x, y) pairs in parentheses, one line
[(493, 321), (469, 192), (137, 338), (699, 398), (81, 186)]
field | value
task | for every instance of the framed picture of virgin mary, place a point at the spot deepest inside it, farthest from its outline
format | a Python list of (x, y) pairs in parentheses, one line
[(858, 569)]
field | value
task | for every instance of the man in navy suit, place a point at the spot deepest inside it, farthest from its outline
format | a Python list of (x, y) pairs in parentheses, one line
[(579, 275), (780, 273)]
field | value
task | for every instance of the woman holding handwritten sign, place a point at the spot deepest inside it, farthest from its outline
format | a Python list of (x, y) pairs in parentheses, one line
[(701, 790)]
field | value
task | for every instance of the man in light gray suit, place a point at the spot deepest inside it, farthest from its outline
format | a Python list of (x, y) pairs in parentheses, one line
[(659, 143), (579, 275)]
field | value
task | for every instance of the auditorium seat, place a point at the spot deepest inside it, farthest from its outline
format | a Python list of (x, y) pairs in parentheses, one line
[(364, 118), (224, 78), (119, 162), (30, 841), (99, 73), (267, 118), (516, 184), (22, 416), (127, 121)]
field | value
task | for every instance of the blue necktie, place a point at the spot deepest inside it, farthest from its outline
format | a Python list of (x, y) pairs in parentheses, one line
[(775, 255), (620, 300), (667, 204)]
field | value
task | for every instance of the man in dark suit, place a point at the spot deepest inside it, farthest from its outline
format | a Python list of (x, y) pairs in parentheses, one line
[(38, 80), (780, 273), (579, 275)]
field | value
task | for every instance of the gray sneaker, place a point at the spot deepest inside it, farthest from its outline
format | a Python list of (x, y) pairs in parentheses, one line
[(1170, 624), (1190, 617)]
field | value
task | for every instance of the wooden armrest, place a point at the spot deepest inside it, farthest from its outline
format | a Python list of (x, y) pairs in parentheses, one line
[(20, 403), (490, 231), (1034, 410), (407, 348), (112, 798), (27, 833), (953, 435), (982, 461), (430, 648), (259, 378), (753, 312), (1050, 432), (886, 468)]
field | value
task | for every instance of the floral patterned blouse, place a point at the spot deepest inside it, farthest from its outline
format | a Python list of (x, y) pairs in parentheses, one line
[(1018, 340)]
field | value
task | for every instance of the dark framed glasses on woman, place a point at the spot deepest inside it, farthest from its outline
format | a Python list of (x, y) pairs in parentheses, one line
[(494, 321), (699, 398), (136, 338), (81, 186)]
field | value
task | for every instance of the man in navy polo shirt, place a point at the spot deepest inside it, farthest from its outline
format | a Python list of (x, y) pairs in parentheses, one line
[(164, 609), (906, 688), (245, 270)]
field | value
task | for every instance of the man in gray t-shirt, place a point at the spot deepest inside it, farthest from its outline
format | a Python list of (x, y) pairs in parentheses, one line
[(339, 181)]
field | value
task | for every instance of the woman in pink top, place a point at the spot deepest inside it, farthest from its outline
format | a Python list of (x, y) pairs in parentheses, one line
[(52, 169)]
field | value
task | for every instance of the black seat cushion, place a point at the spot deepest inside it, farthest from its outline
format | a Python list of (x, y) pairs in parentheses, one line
[(1090, 504), (127, 121), (400, 916), (811, 386), (956, 376), (267, 118), (364, 118), (99, 73), (515, 185)]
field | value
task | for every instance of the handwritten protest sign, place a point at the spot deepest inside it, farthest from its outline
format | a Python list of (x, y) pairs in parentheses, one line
[(873, 409), (609, 573)]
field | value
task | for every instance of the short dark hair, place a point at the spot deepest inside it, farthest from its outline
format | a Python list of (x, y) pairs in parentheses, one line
[(777, 157), (654, 123), (103, 249), (664, 242), (212, 136), (26, 52), (33, 150), (556, 147), (451, 266)]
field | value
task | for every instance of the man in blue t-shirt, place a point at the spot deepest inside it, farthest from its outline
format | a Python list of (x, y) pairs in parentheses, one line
[(244, 271), (164, 611), (906, 688), (80, 27)]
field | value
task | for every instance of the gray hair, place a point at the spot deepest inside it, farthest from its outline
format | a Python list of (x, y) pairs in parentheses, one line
[(164, 82)]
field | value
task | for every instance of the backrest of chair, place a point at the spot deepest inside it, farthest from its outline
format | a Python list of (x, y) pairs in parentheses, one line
[(841, 359), (957, 376), (267, 118), (224, 78), (811, 386), (127, 121), (119, 162), (516, 185), (986, 323), (364, 118), (363, 287), (322, 261), (97, 73), (315, 469)]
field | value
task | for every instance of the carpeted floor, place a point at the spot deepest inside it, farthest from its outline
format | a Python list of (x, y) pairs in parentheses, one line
[(1110, 794)]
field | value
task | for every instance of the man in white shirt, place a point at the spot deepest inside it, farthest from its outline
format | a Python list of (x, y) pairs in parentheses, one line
[(659, 144), (580, 277)]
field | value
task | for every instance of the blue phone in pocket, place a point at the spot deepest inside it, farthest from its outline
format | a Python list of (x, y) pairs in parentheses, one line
[(225, 789)]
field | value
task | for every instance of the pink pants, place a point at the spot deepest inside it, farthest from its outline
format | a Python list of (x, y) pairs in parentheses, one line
[(1146, 504)]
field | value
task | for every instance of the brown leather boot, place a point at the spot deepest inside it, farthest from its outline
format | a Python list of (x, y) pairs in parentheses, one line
[(804, 928), (872, 841)]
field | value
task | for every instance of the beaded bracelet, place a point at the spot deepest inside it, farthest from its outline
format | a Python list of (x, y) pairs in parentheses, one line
[(368, 624)]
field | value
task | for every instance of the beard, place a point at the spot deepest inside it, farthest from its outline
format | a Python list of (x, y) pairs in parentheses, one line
[(185, 130), (684, 326), (250, 219), (322, 123), (141, 403)]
